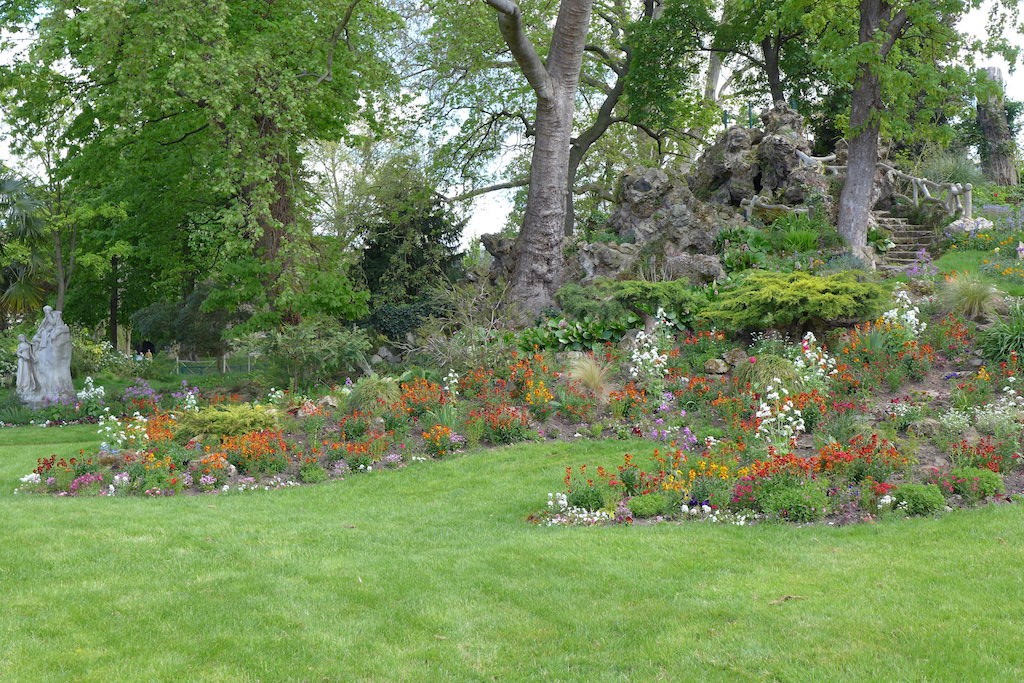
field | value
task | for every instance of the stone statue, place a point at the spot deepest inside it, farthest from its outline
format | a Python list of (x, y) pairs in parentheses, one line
[(44, 366), (28, 385)]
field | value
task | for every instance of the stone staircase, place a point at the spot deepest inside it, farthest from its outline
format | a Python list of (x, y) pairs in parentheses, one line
[(910, 239)]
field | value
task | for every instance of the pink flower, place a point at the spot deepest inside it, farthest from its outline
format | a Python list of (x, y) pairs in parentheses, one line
[(753, 359)]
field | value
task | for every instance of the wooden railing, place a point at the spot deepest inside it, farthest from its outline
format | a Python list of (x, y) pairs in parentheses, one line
[(954, 198)]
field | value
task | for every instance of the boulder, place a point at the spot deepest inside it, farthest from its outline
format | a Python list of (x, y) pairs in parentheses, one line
[(716, 366), (727, 172), (736, 356), (606, 259), (783, 119), (697, 269), (652, 207)]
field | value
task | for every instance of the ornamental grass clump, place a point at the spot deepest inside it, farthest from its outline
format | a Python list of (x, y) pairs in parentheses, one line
[(970, 296), (764, 370), (1005, 338), (374, 394), (593, 374)]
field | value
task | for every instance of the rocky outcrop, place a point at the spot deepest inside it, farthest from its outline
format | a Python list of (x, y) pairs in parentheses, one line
[(773, 163), (607, 259), (728, 172), (669, 225), (660, 224)]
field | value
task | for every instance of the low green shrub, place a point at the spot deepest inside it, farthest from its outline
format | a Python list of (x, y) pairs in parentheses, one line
[(650, 505), (586, 497), (793, 301), (312, 473), (229, 420), (918, 500), (615, 299), (798, 501), (976, 483)]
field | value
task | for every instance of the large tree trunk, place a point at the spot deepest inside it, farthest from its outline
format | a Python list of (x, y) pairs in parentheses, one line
[(114, 302), (538, 272), (539, 260), (855, 199), (998, 154), (865, 122), (770, 51)]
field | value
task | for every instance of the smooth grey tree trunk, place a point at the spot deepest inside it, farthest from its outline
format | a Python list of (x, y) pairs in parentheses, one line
[(865, 122), (539, 259)]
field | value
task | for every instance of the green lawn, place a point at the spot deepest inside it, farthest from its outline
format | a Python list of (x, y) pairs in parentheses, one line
[(970, 262), (431, 573)]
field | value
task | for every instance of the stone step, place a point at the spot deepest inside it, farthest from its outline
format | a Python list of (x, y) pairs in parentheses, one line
[(906, 250), (909, 258)]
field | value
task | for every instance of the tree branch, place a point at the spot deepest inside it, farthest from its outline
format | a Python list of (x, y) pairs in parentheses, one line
[(510, 23), (596, 83), (186, 135), (893, 32), (518, 182), (328, 74), (606, 58)]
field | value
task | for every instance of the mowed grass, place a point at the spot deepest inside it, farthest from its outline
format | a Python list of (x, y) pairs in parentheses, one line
[(431, 573)]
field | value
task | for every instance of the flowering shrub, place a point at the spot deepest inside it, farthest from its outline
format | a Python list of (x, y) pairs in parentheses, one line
[(560, 513), (421, 395), (91, 398), (779, 421), (905, 315), (647, 360), (142, 397), (973, 484), (503, 424), (263, 452), (984, 454), (813, 362), (628, 404), (441, 441), (125, 433)]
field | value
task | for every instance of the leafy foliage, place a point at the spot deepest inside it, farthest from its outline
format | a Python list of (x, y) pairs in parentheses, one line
[(311, 351), (793, 301), (919, 500), (1006, 337), (619, 298), (227, 420)]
